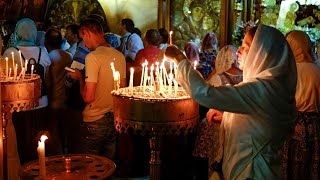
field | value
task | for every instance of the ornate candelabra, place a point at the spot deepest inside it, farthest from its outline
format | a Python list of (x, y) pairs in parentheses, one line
[(17, 95), (154, 115)]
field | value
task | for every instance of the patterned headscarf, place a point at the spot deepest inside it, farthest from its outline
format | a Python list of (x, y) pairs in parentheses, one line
[(301, 46), (225, 58), (25, 33), (192, 51), (210, 41)]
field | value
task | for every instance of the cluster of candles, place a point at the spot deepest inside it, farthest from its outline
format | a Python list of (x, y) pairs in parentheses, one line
[(154, 79), (8, 71)]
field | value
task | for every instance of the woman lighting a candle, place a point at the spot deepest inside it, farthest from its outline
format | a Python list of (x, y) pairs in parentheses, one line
[(259, 112)]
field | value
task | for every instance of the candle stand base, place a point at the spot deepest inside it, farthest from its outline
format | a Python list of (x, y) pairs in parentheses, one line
[(154, 118)]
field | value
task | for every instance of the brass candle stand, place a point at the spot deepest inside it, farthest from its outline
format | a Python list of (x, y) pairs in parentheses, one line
[(154, 117), (17, 95)]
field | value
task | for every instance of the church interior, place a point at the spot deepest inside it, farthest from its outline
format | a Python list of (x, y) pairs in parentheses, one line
[(155, 126)]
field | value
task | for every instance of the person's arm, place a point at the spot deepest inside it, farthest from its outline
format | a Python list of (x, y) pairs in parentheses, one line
[(88, 90), (223, 98), (213, 116), (134, 45)]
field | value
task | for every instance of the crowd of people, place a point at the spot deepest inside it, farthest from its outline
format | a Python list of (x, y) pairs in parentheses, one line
[(259, 103)]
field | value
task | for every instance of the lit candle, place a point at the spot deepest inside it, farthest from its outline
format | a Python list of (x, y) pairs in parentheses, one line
[(170, 83), (9, 74), (20, 59), (160, 79), (195, 63), (42, 156), (7, 68), (142, 73), (145, 79), (164, 72), (12, 57), (157, 68), (26, 63), (116, 81), (113, 69), (165, 76), (131, 80), (170, 37), (151, 75), (15, 72), (21, 74), (32, 67)]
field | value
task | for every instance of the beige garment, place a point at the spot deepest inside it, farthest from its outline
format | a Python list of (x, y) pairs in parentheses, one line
[(301, 46), (98, 70), (308, 87), (308, 82)]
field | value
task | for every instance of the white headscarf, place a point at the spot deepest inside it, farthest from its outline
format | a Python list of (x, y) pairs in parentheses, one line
[(271, 68), (308, 85), (225, 58)]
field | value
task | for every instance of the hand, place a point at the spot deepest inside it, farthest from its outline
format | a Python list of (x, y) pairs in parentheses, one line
[(214, 116), (174, 54), (75, 75)]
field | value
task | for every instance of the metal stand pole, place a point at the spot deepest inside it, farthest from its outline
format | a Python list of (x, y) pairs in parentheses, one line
[(155, 162), (5, 119)]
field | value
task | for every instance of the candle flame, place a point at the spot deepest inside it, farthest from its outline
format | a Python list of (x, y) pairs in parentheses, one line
[(7, 59), (12, 52), (195, 64), (43, 138), (132, 69), (170, 76), (171, 32)]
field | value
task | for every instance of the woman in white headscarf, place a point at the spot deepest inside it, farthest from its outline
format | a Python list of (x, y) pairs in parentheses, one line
[(259, 112), (28, 123), (301, 152), (226, 72)]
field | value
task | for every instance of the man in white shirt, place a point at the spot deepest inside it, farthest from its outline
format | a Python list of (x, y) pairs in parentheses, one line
[(131, 42), (72, 36)]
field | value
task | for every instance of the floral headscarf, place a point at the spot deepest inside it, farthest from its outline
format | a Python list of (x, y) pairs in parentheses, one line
[(25, 33), (301, 46), (225, 58), (192, 51), (210, 41)]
